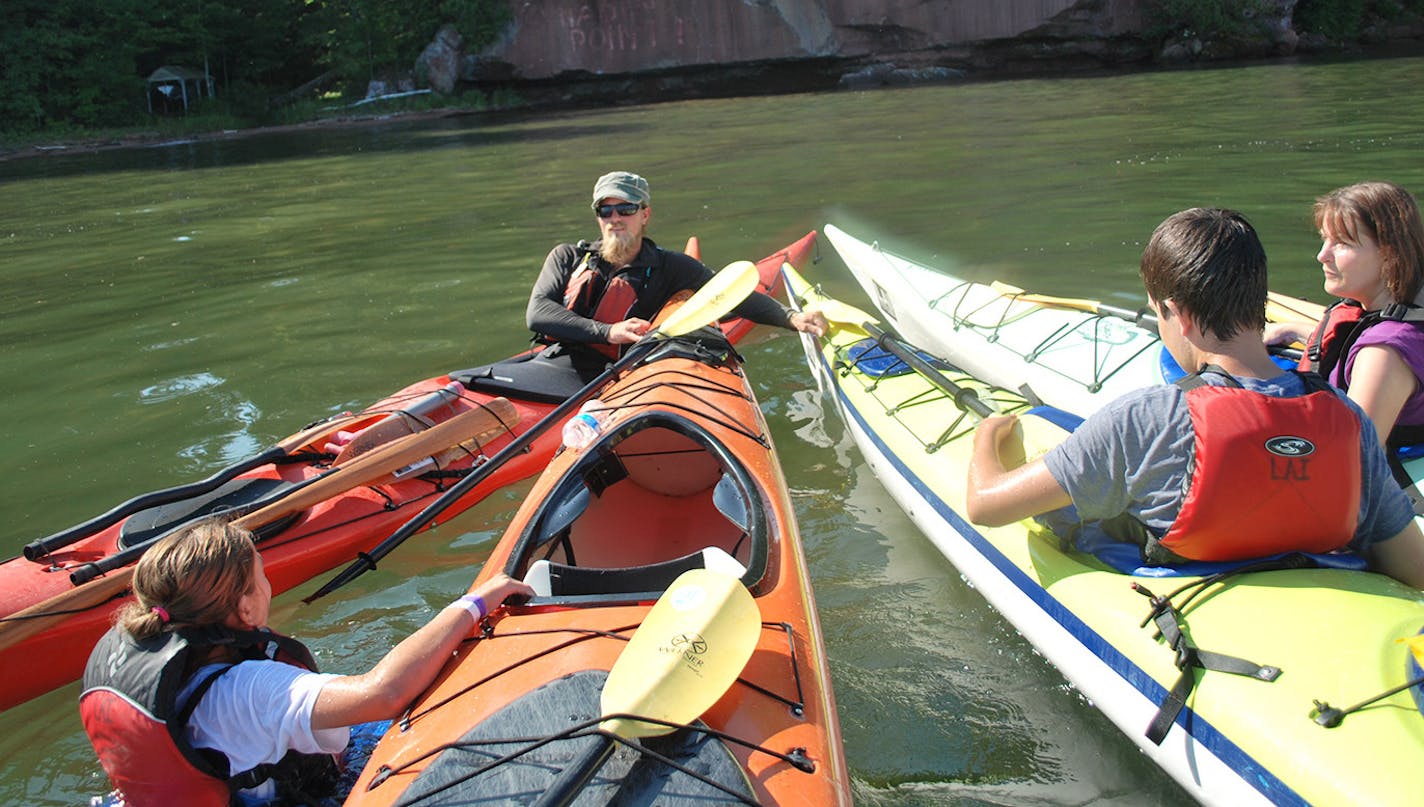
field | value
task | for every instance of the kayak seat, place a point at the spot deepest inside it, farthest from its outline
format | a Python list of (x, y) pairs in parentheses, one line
[(874, 361), (529, 377), (238, 496), (558, 580), (1127, 558)]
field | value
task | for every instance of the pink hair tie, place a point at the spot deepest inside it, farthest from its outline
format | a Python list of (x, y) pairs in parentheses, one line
[(162, 613)]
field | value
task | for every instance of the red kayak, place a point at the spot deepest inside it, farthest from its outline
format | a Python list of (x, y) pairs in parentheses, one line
[(315, 500)]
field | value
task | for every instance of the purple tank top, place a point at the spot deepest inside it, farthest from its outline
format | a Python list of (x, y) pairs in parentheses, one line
[(1408, 341)]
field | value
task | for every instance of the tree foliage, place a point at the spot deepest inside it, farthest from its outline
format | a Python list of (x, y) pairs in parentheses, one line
[(1206, 19), (1344, 20), (66, 63)]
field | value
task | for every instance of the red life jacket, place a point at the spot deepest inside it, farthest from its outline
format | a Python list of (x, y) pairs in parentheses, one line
[(610, 301), (1335, 336), (1269, 474), (1338, 329), (130, 712)]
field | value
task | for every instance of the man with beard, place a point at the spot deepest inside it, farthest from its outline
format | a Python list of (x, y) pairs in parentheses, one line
[(591, 299)]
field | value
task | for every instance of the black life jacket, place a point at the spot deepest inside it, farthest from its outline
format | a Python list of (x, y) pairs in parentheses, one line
[(1269, 474), (130, 712)]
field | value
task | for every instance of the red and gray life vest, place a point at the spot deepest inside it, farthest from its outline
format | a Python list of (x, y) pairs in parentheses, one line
[(604, 299), (1269, 474), (130, 712), (1341, 326)]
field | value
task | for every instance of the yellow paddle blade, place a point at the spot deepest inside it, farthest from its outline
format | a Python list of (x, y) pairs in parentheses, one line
[(1416, 647), (1077, 304), (689, 650), (841, 314), (670, 307), (717, 297)]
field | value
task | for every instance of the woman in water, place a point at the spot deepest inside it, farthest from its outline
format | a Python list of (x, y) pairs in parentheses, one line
[(191, 698)]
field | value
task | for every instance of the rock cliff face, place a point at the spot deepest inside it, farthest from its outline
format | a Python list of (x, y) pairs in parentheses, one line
[(584, 51), (549, 38)]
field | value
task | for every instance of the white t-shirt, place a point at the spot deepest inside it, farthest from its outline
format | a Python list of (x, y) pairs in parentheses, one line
[(257, 711)]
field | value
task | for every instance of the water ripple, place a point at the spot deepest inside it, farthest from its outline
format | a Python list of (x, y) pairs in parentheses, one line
[(178, 387)]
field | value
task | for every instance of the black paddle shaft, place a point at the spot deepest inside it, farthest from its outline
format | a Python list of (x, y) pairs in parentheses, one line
[(366, 561), (576, 776), (36, 550), (966, 399)]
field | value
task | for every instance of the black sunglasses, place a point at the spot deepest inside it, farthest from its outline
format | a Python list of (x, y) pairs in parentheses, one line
[(624, 209)]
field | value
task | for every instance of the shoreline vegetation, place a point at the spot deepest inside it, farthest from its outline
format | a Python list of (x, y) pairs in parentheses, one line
[(337, 111), (71, 76), (198, 128)]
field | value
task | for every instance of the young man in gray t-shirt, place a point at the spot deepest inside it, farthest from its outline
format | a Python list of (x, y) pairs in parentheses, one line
[(1133, 462)]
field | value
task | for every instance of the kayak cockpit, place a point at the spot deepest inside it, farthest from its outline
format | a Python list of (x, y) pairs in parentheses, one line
[(651, 499)]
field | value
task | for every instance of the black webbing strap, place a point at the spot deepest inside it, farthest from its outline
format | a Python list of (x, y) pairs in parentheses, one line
[(1189, 658)]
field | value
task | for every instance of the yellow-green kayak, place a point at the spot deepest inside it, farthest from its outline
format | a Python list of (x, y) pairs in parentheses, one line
[(1307, 641)]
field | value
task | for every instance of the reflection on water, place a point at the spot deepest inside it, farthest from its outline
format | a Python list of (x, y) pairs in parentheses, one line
[(167, 311)]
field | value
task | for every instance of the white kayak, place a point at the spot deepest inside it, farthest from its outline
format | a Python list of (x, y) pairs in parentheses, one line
[(1074, 358)]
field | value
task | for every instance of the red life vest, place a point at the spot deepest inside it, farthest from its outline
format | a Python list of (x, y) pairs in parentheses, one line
[(1269, 474), (1331, 343), (1332, 336), (1341, 327), (608, 302), (130, 712)]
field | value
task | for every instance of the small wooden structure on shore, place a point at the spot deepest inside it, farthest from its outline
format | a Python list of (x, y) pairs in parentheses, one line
[(172, 83)]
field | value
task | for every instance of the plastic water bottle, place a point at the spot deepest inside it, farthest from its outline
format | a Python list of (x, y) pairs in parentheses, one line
[(582, 429)]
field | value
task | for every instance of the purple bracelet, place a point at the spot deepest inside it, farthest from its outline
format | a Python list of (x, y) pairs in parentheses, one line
[(473, 603)]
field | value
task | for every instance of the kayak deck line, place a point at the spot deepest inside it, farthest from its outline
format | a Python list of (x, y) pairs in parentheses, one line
[(629, 398), (961, 425), (796, 703), (1075, 358), (1005, 310), (795, 756)]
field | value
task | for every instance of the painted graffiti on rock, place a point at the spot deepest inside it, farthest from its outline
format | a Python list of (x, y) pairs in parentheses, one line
[(620, 26)]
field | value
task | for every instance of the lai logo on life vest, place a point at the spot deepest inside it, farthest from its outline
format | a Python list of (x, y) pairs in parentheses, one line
[(1288, 456)]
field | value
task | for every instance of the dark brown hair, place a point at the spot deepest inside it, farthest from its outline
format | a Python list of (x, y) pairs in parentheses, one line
[(1209, 262)]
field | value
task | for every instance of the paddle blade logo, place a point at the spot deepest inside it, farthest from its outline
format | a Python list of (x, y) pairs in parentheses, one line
[(692, 648), (1289, 446)]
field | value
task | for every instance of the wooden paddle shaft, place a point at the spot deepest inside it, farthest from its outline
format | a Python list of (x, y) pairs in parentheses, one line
[(496, 415)]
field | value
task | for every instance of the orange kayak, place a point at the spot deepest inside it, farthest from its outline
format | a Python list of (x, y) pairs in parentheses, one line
[(58, 598), (681, 475)]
